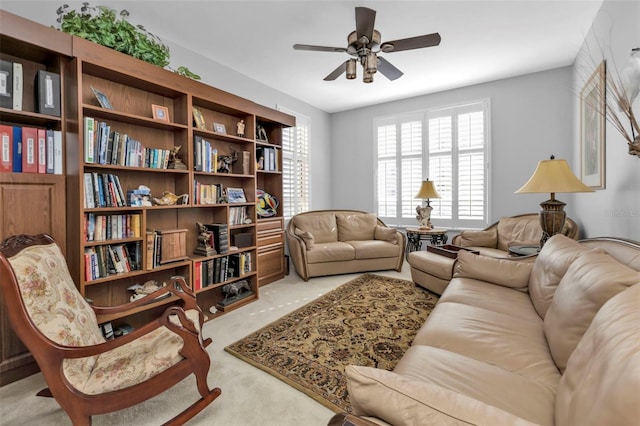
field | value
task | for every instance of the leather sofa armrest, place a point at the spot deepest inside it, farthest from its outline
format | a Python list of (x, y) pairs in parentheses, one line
[(506, 272), (298, 253), (484, 238)]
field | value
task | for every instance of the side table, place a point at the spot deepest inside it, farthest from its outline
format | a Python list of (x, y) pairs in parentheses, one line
[(437, 236)]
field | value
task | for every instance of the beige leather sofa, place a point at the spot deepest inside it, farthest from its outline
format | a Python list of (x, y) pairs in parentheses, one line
[(522, 229), (555, 341), (329, 242)]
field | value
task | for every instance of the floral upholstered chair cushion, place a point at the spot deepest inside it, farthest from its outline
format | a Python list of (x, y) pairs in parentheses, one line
[(61, 314)]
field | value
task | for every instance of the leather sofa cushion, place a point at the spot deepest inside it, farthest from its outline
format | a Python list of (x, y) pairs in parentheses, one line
[(550, 266), (374, 249), (356, 226), (490, 251), (504, 272), (322, 226), (386, 234), (590, 281), (331, 252), (401, 401), (486, 238), (485, 295), (600, 385), (502, 339), (522, 229)]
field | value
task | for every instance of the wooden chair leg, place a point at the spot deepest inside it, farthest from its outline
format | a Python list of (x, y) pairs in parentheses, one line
[(46, 392)]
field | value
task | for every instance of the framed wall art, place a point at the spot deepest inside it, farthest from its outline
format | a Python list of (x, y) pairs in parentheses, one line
[(592, 129)]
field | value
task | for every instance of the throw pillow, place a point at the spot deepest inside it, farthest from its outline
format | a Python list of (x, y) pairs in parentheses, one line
[(386, 234), (401, 400), (505, 272), (591, 280), (486, 238), (306, 236), (356, 226)]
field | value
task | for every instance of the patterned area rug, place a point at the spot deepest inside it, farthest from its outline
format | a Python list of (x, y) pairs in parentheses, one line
[(370, 321)]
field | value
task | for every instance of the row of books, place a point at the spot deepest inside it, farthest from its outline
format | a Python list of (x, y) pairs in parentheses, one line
[(221, 269), (238, 215), (47, 88), (110, 259), (30, 150), (105, 146), (205, 156), (207, 193), (267, 158), (103, 190), (103, 227)]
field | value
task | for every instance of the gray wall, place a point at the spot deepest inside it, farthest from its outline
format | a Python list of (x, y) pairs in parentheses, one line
[(530, 120), (614, 211)]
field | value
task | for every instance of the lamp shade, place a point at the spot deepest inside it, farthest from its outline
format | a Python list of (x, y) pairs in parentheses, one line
[(553, 176), (427, 190)]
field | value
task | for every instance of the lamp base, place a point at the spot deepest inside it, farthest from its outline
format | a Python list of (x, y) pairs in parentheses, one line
[(424, 217), (552, 217)]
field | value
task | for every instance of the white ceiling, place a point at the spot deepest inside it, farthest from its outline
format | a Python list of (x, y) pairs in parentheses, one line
[(481, 40)]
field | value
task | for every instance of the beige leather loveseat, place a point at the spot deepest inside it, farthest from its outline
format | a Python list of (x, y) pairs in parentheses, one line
[(523, 229), (554, 341), (328, 242)]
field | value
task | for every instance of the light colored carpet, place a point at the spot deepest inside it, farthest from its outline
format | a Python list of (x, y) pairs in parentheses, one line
[(250, 397)]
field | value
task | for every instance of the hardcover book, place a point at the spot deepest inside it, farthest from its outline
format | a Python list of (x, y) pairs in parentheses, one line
[(17, 86), (6, 84), (48, 84), (17, 149), (42, 151), (6, 147), (29, 150)]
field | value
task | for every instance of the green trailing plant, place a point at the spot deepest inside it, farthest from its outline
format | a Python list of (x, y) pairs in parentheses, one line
[(105, 26)]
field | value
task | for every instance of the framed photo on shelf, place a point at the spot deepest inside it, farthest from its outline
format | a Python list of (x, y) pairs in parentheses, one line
[(198, 118), (219, 128), (592, 129), (102, 98), (160, 113), (236, 195)]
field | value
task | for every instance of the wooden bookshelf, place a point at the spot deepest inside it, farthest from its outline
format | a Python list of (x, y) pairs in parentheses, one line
[(132, 87)]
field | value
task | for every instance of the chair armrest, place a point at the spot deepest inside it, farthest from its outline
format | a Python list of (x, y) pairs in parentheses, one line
[(177, 287), (298, 253)]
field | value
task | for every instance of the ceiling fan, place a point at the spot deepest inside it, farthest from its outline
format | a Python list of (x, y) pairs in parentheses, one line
[(364, 45)]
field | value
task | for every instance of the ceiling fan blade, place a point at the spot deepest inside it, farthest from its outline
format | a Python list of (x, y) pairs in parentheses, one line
[(337, 72), (318, 48), (388, 70), (365, 21), (418, 42)]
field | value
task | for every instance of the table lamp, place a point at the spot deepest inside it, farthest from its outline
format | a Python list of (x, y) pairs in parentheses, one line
[(552, 176), (427, 191)]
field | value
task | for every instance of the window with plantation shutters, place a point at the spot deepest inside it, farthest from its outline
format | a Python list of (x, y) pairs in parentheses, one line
[(295, 166), (452, 151)]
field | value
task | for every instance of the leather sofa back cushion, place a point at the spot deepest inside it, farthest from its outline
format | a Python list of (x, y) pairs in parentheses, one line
[(549, 268), (525, 230), (356, 226), (322, 226), (486, 238), (504, 272), (601, 383), (591, 280)]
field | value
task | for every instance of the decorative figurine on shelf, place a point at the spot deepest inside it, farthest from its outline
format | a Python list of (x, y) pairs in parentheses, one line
[(236, 290), (171, 199), (175, 162), (204, 241), (140, 291), (423, 217), (225, 162), (240, 128), (139, 197), (261, 134)]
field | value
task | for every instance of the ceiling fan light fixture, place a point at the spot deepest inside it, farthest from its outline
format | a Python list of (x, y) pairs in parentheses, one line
[(371, 63), (351, 69), (367, 77)]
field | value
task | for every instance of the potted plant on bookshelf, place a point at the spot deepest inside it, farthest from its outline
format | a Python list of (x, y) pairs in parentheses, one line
[(102, 25)]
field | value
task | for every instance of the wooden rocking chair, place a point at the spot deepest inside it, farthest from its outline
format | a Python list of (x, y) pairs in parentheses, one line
[(87, 374)]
